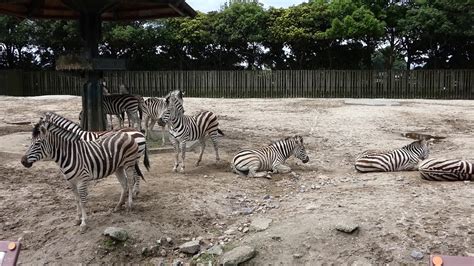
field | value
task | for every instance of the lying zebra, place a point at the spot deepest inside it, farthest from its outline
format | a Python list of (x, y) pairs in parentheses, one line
[(403, 159), (83, 161), (446, 170), (255, 163)]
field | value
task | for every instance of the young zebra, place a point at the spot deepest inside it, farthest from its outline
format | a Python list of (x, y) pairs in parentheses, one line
[(183, 128), (403, 159), (138, 136), (255, 163), (154, 108), (446, 170), (82, 161)]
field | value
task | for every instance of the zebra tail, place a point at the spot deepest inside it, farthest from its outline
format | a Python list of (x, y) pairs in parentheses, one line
[(220, 132), (139, 172), (146, 161)]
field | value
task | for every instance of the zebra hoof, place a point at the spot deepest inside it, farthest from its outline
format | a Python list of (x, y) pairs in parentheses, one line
[(83, 228), (175, 169), (197, 163), (181, 170)]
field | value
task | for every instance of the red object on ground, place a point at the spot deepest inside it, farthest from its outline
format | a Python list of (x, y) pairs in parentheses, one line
[(9, 251), (440, 260)]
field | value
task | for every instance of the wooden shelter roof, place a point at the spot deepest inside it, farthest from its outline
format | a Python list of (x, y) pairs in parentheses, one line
[(110, 9)]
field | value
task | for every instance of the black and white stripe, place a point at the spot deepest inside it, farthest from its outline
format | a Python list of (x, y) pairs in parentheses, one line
[(82, 161), (184, 128), (446, 170), (138, 136), (253, 163), (403, 159), (117, 104), (153, 108)]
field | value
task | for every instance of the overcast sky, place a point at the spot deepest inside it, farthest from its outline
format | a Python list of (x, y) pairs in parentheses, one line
[(212, 5)]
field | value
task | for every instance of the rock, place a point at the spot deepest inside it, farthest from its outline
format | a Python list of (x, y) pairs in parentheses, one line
[(260, 224), (238, 255), (177, 263), (116, 233), (215, 250), (245, 230), (163, 253), (297, 255), (311, 207), (266, 197), (229, 231), (276, 238), (417, 255), (169, 240), (191, 247), (347, 227), (247, 211)]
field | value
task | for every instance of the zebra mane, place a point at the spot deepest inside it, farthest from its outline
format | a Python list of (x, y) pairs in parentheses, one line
[(36, 130), (286, 140), (414, 144), (62, 126)]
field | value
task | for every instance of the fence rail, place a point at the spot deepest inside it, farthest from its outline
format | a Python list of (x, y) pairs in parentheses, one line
[(440, 84)]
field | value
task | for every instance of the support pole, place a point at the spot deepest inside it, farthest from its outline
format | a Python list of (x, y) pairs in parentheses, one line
[(92, 119)]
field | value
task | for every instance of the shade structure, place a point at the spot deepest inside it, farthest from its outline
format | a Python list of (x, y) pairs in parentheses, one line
[(90, 14), (108, 9)]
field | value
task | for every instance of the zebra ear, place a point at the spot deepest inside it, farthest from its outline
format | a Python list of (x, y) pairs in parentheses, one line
[(43, 130)]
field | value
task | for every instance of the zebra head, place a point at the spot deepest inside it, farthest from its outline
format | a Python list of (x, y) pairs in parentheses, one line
[(299, 151), (174, 107), (420, 148), (40, 147)]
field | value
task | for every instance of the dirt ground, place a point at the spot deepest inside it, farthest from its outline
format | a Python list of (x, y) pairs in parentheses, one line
[(397, 213)]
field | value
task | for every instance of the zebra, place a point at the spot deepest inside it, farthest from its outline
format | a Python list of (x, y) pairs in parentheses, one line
[(403, 159), (154, 107), (116, 104), (82, 161), (446, 170), (183, 128), (138, 136), (255, 162)]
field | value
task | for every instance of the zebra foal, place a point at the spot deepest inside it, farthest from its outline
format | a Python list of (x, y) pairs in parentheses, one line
[(255, 163), (82, 161), (153, 108), (183, 128), (403, 159), (446, 170)]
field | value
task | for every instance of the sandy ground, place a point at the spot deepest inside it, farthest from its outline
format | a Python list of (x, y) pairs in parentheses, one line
[(396, 212)]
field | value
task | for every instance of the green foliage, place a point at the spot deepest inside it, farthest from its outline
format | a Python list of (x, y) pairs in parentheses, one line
[(317, 34)]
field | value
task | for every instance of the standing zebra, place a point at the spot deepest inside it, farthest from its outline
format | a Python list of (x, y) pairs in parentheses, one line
[(116, 104), (154, 108), (82, 161), (403, 159), (138, 136), (183, 128), (446, 170), (270, 158)]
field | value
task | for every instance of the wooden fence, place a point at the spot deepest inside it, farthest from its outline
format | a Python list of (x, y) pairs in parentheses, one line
[(439, 84)]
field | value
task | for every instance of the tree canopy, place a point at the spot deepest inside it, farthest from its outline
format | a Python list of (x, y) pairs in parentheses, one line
[(318, 34)]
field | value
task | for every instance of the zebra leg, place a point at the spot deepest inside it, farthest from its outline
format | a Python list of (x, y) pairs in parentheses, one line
[(254, 173), (163, 135), (281, 168), (203, 146), (122, 177), (152, 124), (77, 221), (183, 155), (214, 136), (175, 144), (136, 182), (82, 191)]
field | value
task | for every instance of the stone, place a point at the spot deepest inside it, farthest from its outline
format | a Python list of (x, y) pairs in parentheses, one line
[(247, 211), (238, 255), (311, 207), (276, 238), (215, 250), (266, 197), (260, 224), (169, 240), (116, 233), (163, 253), (191, 247), (245, 230), (297, 255), (347, 227), (417, 255), (229, 231)]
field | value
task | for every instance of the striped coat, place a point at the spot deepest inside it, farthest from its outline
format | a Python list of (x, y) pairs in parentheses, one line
[(446, 170)]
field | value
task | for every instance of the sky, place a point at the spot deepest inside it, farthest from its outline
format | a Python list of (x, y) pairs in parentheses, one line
[(213, 5)]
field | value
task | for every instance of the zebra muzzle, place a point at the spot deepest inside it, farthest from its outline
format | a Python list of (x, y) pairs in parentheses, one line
[(161, 123), (305, 160), (25, 163)]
